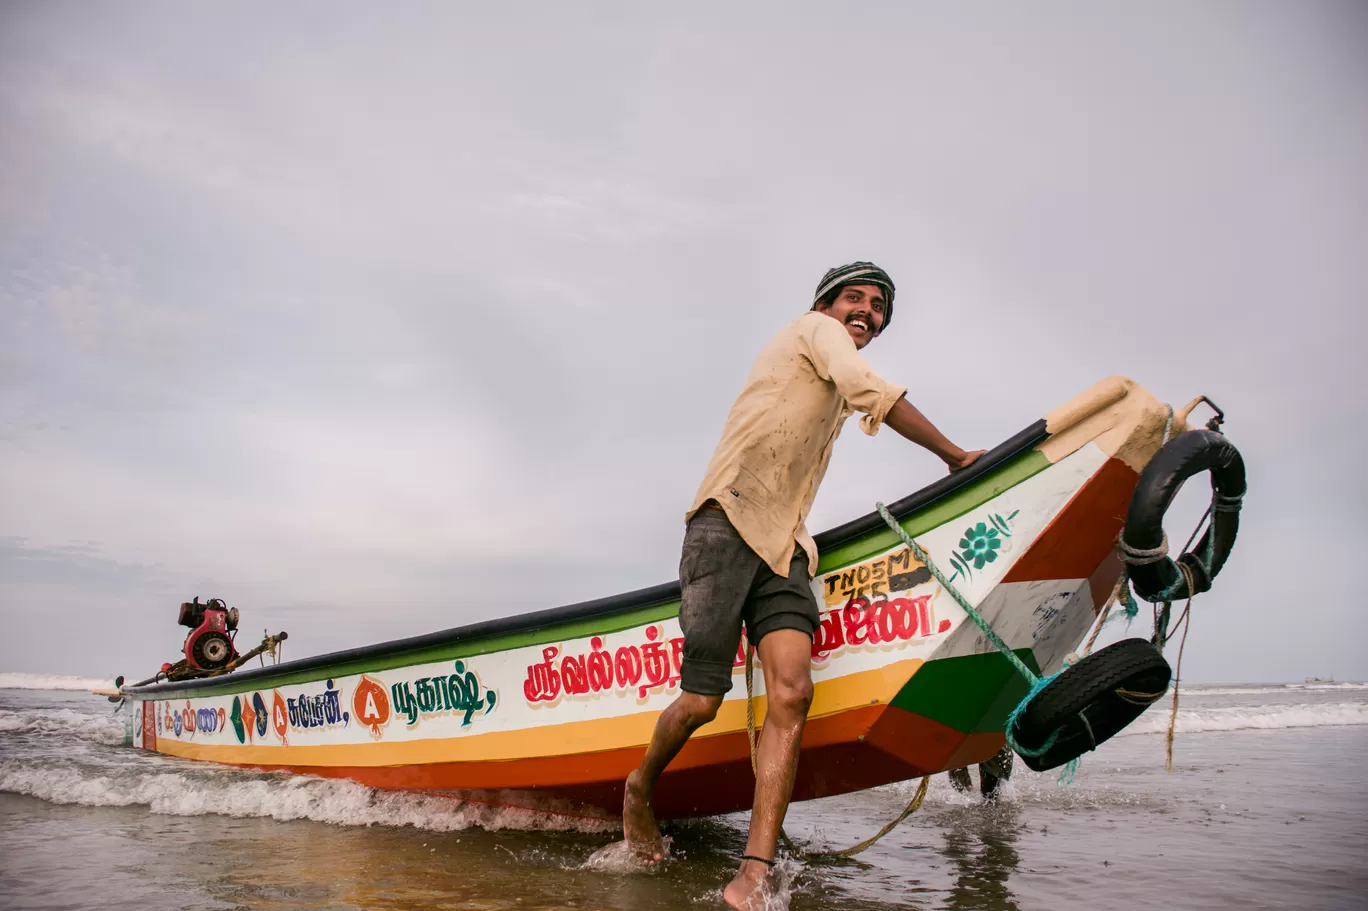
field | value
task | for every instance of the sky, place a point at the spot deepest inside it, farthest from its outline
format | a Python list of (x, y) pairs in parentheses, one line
[(381, 321)]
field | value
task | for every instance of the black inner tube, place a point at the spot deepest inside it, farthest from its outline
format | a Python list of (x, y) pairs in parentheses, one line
[(1188, 454)]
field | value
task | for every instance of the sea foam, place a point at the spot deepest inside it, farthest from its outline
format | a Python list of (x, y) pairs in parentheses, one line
[(1285, 689), (167, 787), (68, 723), (16, 681), (1257, 717)]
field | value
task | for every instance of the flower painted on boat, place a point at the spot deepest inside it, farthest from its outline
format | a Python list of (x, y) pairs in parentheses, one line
[(980, 545)]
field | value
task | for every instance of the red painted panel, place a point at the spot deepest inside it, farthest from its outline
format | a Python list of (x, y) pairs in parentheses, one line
[(978, 747), (1084, 532), (1103, 579), (149, 725)]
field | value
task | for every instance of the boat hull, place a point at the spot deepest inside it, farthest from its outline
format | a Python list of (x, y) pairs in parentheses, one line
[(554, 710)]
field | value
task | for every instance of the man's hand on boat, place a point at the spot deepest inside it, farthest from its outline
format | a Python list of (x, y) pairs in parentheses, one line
[(964, 460), (911, 424)]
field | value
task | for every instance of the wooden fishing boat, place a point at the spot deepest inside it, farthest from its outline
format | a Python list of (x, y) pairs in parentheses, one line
[(558, 706)]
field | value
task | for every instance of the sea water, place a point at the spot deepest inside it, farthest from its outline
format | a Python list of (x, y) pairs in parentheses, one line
[(1266, 807)]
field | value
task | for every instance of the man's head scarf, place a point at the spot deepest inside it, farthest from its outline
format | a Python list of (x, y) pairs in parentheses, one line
[(859, 274)]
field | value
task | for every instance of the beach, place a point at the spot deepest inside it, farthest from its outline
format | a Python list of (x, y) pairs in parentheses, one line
[(1266, 807)]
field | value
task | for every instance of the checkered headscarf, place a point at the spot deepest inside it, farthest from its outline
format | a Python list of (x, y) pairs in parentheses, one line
[(859, 274)]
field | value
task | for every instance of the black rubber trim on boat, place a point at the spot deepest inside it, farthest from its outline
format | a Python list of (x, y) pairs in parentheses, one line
[(1092, 701), (1004, 452), (1185, 455), (627, 601)]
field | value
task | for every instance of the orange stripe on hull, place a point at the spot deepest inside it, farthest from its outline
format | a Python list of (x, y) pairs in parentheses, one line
[(858, 749)]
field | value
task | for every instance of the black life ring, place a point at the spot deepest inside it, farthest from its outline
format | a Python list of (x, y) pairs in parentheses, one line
[(1158, 577), (1090, 702)]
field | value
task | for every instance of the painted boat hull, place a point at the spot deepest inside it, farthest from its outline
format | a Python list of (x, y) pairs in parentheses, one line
[(553, 709)]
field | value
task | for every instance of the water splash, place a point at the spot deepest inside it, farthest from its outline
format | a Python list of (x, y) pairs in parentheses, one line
[(166, 786), (619, 857)]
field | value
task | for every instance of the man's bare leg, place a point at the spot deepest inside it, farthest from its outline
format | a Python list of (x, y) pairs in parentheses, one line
[(785, 656), (960, 780), (676, 724)]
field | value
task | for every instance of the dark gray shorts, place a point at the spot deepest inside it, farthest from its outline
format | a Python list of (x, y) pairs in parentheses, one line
[(724, 583)]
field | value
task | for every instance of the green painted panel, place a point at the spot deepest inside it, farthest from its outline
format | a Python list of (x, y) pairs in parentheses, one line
[(923, 520), (594, 626), (970, 693)]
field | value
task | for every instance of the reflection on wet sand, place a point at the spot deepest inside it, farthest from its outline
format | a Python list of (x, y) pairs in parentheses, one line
[(266, 865), (273, 866), (980, 843)]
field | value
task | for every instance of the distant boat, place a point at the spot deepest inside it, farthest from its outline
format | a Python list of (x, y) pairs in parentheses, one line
[(1320, 679)]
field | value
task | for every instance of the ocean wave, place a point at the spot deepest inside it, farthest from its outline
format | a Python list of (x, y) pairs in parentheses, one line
[(1277, 689), (1232, 691), (1239, 718), (107, 728), (14, 681), (1327, 686), (241, 794)]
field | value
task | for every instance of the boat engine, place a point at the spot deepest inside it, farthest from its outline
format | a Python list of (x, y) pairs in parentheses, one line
[(209, 645)]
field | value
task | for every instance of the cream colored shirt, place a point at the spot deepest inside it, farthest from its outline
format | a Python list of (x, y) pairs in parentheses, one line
[(778, 438)]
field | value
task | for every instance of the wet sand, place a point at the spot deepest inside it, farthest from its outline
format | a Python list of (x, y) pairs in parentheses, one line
[(1272, 813)]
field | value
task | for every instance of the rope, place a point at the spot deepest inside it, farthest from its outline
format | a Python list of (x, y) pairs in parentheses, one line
[(1106, 611), (953, 592), (913, 805), (1120, 594), (1141, 556), (1037, 683), (1226, 503), (1186, 620), (1136, 697)]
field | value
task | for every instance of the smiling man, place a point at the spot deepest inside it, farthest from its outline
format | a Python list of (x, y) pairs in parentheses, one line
[(748, 557)]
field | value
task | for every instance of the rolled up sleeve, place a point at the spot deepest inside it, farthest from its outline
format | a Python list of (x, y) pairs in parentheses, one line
[(834, 357)]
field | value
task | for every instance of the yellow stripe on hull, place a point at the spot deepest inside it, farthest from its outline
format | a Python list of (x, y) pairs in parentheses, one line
[(830, 697)]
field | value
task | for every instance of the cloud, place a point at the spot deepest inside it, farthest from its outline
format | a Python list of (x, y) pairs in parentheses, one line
[(409, 320)]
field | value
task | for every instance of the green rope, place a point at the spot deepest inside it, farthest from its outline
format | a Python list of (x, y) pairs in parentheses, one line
[(1037, 683), (1129, 608), (954, 593)]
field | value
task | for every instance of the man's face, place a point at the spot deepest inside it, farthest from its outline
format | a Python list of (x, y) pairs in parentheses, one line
[(860, 308)]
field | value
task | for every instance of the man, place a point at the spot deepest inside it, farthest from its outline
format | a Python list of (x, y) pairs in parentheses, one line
[(747, 554)]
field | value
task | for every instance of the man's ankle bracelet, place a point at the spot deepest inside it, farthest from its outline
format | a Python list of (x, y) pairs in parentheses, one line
[(768, 863)]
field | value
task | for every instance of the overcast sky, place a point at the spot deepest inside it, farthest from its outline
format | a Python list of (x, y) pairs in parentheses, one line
[(381, 321)]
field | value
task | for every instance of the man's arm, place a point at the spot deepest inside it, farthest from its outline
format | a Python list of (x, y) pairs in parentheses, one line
[(904, 418)]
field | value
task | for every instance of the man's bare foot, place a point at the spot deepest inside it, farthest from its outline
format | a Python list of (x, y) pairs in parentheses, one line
[(751, 888), (638, 822)]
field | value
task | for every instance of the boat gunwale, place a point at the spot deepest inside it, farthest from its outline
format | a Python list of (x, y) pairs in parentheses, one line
[(632, 601)]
